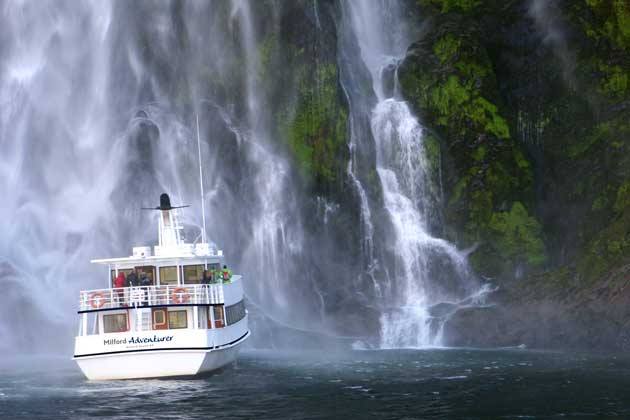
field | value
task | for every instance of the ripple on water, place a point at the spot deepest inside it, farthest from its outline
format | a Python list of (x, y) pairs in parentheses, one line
[(391, 384)]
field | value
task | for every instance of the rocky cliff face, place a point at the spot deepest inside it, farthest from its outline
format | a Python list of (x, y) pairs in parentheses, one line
[(528, 105), (525, 106)]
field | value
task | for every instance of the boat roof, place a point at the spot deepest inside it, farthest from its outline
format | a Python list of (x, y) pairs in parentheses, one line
[(155, 259), (171, 248), (143, 255)]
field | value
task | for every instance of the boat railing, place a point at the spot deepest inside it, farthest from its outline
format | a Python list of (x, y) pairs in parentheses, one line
[(138, 296)]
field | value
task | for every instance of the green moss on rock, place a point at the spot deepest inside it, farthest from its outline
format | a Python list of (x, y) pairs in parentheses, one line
[(518, 236), (611, 21), (447, 6), (450, 81), (615, 82), (613, 131), (609, 248), (317, 131), (446, 47), (623, 197), (432, 152)]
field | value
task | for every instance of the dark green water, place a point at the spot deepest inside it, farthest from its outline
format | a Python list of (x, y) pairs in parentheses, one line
[(466, 384)]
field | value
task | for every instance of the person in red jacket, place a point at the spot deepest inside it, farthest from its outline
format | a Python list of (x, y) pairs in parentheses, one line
[(119, 283)]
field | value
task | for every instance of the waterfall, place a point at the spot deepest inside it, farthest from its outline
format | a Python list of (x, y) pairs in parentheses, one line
[(57, 165), (97, 118), (97, 110), (277, 237), (411, 286)]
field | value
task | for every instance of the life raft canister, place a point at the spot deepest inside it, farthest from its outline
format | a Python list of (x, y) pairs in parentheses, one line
[(180, 295), (97, 300)]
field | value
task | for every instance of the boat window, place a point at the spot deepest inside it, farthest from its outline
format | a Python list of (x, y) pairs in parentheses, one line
[(159, 319), (202, 317), (177, 319), (126, 271), (148, 270), (115, 323), (168, 275), (235, 313), (193, 273), (209, 317), (219, 321)]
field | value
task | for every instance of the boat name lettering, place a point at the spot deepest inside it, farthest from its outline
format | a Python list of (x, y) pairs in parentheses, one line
[(137, 340)]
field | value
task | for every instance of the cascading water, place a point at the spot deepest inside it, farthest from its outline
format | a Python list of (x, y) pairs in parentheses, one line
[(408, 195), (276, 234), (97, 119), (57, 167)]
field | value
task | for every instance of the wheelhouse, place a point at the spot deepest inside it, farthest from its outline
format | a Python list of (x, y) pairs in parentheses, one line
[(173, 294)]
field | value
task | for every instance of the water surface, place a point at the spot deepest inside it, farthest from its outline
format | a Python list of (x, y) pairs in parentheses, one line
[(402, 384)]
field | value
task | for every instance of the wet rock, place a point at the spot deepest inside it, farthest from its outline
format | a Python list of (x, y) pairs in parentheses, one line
[(388, 79)]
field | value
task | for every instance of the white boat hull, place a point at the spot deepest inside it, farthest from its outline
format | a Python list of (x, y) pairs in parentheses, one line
[(156, 364), (169, 353)]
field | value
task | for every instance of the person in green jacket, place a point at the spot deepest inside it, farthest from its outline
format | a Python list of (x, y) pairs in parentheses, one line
[(226, 274)]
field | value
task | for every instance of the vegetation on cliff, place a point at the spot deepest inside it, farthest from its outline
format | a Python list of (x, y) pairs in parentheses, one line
[(449, 78), (299, 71), (317, 131), (531, 104)]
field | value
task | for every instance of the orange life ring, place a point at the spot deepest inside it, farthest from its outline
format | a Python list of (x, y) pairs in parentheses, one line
[(97, 300), (178, 297)]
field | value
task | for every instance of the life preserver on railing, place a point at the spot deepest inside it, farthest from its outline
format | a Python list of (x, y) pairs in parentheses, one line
[(97, 300), (180, 295)]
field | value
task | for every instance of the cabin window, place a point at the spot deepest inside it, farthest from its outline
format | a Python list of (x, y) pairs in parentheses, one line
[(193, 273), (177, 319), (209, 317), (202, 317), (168, 275), (235, 313), (148, 270), (114, 323), (159, 319), (219, 321), (126, 271)]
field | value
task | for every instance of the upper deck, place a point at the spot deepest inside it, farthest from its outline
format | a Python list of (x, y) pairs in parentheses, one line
[(172, 272), (167, 295)]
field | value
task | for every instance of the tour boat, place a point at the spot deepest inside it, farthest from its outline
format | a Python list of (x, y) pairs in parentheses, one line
[(174, 326)]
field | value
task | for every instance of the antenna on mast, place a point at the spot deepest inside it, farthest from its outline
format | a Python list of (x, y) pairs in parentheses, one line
[(203, 209)]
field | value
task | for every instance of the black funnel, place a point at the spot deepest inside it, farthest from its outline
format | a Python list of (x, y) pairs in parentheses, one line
[(165, 204)]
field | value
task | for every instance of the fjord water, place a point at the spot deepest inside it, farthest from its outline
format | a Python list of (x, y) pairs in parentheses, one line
[(390, 384)]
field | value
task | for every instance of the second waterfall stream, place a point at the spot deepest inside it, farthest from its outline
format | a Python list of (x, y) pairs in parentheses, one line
[(422, 262)]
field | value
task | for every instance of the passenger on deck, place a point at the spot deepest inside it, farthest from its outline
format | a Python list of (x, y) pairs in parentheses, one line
[(206, 279), (132, 279), (145, 282), (226, 274), (119, 283), (144, 279)]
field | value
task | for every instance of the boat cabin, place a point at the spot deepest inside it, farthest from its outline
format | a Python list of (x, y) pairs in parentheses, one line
[(169, 292)]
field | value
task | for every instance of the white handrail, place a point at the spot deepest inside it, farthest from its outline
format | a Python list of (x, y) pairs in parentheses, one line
[(138, 296)]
